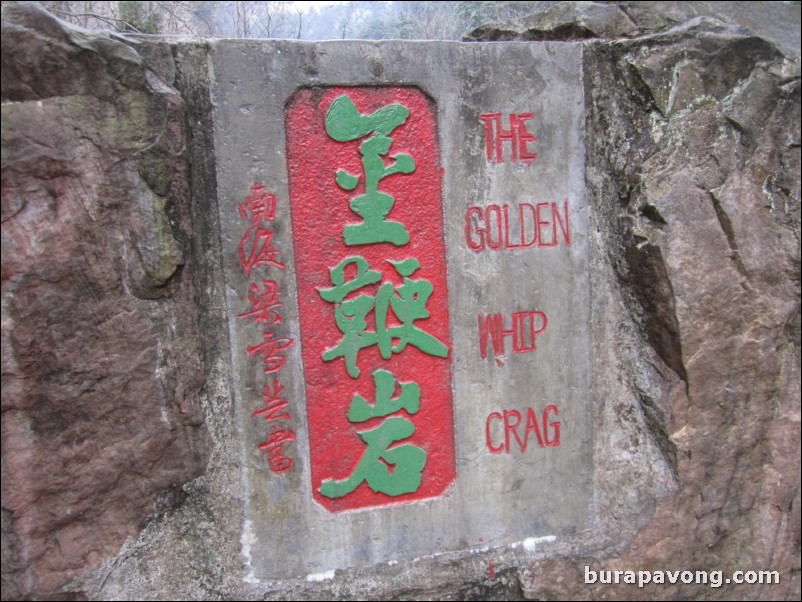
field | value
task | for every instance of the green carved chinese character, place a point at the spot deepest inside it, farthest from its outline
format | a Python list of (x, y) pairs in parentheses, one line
[(408, 400), (408, 303), (345, 123), (407, 461)]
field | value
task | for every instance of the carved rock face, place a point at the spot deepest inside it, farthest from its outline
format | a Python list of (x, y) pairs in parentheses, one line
[(111, 380)]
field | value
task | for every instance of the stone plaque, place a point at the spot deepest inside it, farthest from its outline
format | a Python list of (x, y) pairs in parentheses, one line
[(404, 229)]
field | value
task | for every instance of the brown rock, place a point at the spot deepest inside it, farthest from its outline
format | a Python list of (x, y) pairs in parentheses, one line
[(101, 393)]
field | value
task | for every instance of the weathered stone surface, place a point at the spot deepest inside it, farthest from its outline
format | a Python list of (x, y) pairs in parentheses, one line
[(693, 175), (101, 418), (778, 22), (565, 21), (690, 132), (290, 527)]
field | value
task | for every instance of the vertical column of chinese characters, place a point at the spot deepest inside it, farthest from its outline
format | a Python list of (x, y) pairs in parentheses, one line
[(390, 464), (258, 252)]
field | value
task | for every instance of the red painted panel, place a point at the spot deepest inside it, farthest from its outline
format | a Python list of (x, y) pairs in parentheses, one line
[(321, 209)]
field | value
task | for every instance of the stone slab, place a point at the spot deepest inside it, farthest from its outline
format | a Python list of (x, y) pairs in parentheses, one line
[(508, 158)]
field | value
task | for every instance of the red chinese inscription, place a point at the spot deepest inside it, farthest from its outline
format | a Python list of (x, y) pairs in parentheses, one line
[(367, 221), (256, 247), (257, 251)]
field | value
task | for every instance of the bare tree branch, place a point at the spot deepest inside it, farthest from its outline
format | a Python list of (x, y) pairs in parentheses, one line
[(300, 13), (110, 20)]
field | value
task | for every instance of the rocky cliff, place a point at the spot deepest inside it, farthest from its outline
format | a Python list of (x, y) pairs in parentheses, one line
[(102, 376), (119, 451)]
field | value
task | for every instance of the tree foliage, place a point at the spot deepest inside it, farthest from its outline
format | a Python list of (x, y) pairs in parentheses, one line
[(176, 18)]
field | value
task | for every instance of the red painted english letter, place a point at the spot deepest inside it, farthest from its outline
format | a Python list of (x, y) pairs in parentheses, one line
[(531, 425), (555, 442), (490, 145), (525, 136), (490, 446), (469, 229), (512, 427)]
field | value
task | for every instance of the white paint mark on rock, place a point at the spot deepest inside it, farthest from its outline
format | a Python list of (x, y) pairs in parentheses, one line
[(320, 576), (530, 543)]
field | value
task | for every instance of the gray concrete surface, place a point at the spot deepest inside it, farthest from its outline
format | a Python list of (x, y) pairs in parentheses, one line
[(499, 498)]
